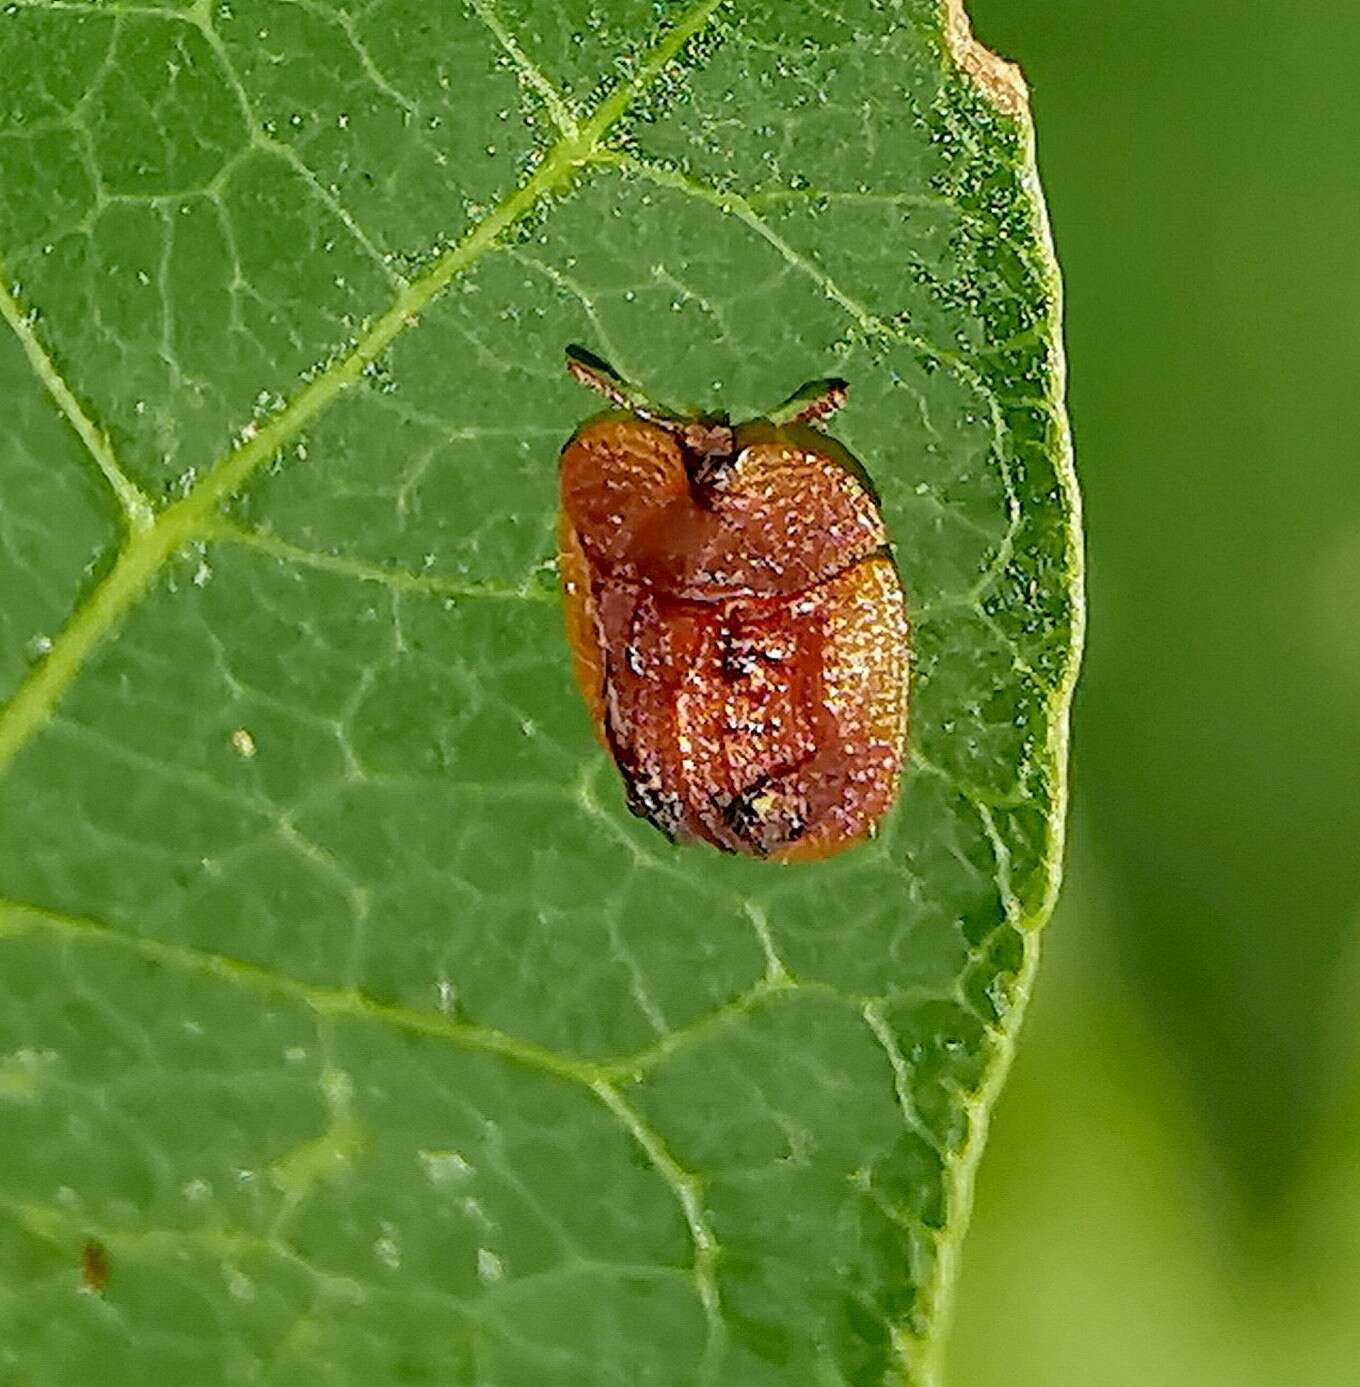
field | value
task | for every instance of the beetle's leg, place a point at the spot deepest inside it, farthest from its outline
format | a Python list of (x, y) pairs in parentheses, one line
[(813, 401)]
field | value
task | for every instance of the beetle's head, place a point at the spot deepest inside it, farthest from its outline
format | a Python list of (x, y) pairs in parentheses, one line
[(709, 444)]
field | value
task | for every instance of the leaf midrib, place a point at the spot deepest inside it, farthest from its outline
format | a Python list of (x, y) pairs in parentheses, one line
[(152, 545)]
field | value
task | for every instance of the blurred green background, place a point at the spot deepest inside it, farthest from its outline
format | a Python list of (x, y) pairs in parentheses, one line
[(1172, 1193)]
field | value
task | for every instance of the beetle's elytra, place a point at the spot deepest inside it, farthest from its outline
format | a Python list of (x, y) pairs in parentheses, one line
[(738, 628)]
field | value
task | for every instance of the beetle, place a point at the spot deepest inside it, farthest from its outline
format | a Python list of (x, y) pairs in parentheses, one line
[(737, 625)]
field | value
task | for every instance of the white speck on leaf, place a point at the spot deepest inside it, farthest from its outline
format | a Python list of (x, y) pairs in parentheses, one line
[(443, 1166)]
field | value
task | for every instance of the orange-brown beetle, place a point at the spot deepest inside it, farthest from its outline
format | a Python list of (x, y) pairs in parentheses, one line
[(738, 628)]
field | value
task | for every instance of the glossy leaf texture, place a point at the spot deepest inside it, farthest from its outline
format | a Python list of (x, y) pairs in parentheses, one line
[(348, 1021)]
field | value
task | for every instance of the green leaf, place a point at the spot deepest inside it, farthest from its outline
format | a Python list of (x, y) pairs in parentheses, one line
[(342, 1002)]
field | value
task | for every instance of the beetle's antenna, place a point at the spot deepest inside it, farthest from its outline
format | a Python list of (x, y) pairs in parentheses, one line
[(811, 402), (598, 375), (707, 440)]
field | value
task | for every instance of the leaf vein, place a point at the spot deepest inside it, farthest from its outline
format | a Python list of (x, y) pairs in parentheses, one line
[(17, 919), (689, 1193), (143, 557), (135, 507), (528, 70), (279, 149), (399, 579)]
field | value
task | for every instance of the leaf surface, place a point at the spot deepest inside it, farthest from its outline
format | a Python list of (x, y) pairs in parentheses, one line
[(342, 1002)]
